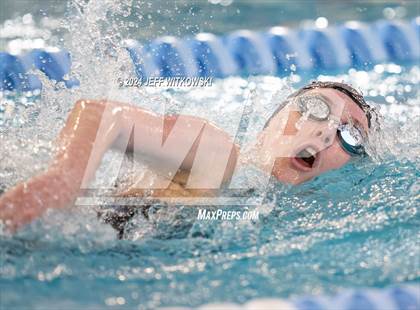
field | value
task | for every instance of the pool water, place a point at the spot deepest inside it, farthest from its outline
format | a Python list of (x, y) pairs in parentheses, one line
[(354, 227)]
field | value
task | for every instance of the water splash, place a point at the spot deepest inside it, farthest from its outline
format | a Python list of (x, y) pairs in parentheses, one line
[(364, 215)]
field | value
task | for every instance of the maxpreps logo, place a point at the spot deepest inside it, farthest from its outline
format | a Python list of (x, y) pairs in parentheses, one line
[(230, 215)]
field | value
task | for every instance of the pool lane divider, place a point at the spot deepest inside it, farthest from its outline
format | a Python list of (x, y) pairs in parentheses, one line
[(277, 51)]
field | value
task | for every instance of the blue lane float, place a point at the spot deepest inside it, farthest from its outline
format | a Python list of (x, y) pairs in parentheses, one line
[(395, 298), (14, 70), (14, 76), (277, 51)]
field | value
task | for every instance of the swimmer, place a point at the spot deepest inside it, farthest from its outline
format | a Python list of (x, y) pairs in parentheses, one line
[(318, 128)]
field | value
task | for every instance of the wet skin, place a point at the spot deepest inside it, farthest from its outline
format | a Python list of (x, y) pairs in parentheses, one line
[(60, 184)]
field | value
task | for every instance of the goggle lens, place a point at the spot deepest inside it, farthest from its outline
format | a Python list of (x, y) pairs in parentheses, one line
[(351, 139), (314, 106)]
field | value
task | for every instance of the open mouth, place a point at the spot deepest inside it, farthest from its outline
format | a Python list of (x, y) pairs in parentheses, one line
[(305, 159)]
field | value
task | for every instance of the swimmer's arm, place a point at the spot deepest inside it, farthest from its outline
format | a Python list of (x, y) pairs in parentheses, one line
[(59, 185), (90, 121), (161, 140), (175, 139)]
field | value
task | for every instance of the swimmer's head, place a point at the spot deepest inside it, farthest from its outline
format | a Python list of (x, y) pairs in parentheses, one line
[(318, 128)]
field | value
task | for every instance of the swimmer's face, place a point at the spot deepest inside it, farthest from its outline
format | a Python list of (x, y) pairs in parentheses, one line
[(304, 148)]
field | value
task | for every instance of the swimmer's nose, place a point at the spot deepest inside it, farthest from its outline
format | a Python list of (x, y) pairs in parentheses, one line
[(324, 138)]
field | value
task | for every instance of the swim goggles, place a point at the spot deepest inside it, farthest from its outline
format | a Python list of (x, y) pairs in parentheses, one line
[(351, 137)]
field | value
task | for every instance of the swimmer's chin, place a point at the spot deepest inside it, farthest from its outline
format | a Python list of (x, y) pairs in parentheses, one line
[(286, 173), (293, 181)]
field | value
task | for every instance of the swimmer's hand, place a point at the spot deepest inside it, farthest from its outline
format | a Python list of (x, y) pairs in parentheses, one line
[(27, 201)]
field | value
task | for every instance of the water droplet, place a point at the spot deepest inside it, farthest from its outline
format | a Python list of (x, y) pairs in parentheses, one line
[(321, 22)]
